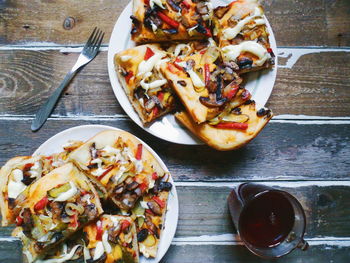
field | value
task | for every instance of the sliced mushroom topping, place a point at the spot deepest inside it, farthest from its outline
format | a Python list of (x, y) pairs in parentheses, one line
[(154, 207), (27, 180), (149, 105), (236, 111), (212, 86), (152, 227), (119, 189), (211, 101), (90, 211), (182, 83), (129, 200), (174, 6), (138, 192), (56, 209), (246, 95), (93, 151), (139, 92), (221, 11), (132, 186), (165, 186), (228, 74), (231, 65), (135, 21), (113, 234), (28, 223)]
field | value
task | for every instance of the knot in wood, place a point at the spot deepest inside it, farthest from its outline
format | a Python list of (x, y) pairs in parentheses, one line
[(68, 23)]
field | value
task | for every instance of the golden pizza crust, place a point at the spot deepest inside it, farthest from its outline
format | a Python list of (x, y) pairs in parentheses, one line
[(224, 139)]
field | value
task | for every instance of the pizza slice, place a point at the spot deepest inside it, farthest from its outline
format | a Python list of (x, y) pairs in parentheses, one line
[(201, 80), (111, 239), (138, 73), (232, 129), (119, 165), (166, 20), (241, 30), (53, 208), (149, 214)]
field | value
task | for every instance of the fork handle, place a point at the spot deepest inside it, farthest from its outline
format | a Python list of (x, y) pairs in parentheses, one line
[(45, 111)]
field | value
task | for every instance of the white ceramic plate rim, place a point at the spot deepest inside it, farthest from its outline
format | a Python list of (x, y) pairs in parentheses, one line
[(166, 127), (84, 132)]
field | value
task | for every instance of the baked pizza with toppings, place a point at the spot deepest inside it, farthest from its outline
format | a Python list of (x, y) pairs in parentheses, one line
[(166, 20), (241, 30), (53, 208), (147, 89), (119, 165), (149, 214), (112, 238), (201, 80), (232, 129)]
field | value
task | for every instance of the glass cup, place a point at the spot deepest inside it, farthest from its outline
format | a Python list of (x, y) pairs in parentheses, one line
[(241, 201)]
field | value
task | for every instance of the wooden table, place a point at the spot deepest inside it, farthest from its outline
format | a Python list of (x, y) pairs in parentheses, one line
[(305, 149)]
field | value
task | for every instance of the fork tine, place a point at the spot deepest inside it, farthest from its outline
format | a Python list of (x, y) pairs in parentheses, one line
[(88, 43), (95, 39), (100, 41)]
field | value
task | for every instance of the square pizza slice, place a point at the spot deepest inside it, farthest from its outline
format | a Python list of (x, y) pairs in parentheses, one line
[(138, 73), (149, 214), (241, 30), (166, 20), (53, 208), (232, 129), (119, 165), (112, 238), (201, 80)]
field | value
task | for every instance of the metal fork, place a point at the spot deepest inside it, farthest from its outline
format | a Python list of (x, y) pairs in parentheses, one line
[(89, 52)]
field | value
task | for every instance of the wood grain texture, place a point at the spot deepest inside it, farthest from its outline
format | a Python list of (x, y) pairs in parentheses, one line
[(239, 254), (283, 151), (323, 23), (316, 85)]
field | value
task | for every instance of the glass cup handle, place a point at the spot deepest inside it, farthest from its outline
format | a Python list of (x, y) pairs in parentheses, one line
[(303, 245)]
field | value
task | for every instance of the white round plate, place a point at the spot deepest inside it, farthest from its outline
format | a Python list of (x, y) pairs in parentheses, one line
[(260, 84), (85, 132)]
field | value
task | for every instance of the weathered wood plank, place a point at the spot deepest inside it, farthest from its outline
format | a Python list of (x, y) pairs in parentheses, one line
[(10, 251), (283, 151), (238, 254), (324, 23), (316, 85)]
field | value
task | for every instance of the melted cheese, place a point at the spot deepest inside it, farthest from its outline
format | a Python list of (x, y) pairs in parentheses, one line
[(15, 188), (106, 245), (119, 174), (196, 80), (152, 85), (156, 2), (231, 52), (147, 65), (17, 175), (125, 58), (111, 150), (144, 204), (35, 170), (232, 32), (143, 250), (182, 47), (99, 250), (68, 194)]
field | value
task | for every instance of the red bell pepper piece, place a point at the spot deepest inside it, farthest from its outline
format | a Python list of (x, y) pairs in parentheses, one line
[(27, 166), (139, 152), (74, 222), (149, 211), (149, 53), (41, 204), (154, 176), (146, 2), (99, 230), (232, 126), (155, 111), (172, 68), (186, 4), (105, 172), (206, 74), (143, 187), (208, 33), (158, 201), (124, 225), (160, 96), (128, 76), (178, 67), (232, 92), (171, 22), (269, 50), (19, 220)]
